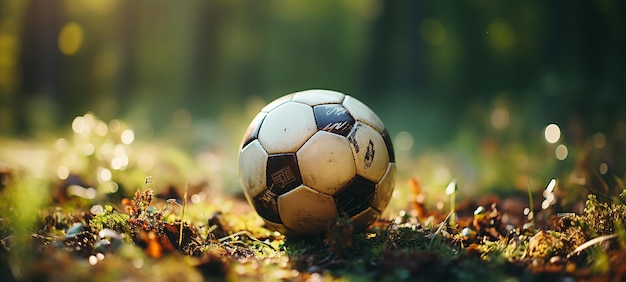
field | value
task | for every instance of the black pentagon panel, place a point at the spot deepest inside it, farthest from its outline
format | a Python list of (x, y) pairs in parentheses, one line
[(356, 197), (266, 205), (252, 133), (283, 174), (333, 118), (392, 156)]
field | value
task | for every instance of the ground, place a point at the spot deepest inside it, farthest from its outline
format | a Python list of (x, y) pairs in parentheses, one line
[(78, 224)]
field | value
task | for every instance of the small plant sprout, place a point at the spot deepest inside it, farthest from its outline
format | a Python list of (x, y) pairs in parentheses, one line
[(182, 217), (451, 191), (530, 211)]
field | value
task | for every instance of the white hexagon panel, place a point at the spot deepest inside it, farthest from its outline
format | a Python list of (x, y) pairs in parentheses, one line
[(318, 96), (363, 113), (274, 104), (252, 167), (326, 162), (306, 211), (370, 151), (287, 127)]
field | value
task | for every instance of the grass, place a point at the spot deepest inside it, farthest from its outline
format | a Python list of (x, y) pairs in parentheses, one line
[(56, 228), (142, 241)]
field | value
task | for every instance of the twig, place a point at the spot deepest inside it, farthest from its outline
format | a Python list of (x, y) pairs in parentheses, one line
[(248, 234), (441, 225), (531, 205), (591, 243), (182, 217)]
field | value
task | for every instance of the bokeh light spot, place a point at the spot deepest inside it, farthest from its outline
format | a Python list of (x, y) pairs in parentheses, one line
[(93, 260), (432, 31), (101, 128), (115, 125), (63, 172), (119, 163), (9, 49), (599, 140), (500, 35), (403, 141), (500, 118), (61, 144), (88, 149), (128, 136), (70, 38), (104, 174), (78, 124), (604, 168), (552, 133), (561, 152), (102, 6)]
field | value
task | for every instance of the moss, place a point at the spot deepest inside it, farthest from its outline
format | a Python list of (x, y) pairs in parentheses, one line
[(600, 218), (110, 219), (545, 245)]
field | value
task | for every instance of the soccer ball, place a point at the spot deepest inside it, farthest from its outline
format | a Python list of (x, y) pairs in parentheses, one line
[(311, 157)]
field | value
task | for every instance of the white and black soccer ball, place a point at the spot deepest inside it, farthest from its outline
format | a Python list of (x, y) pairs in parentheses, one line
[(312, 156)]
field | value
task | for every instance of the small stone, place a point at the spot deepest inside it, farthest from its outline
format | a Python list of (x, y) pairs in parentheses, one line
[(556, 260)]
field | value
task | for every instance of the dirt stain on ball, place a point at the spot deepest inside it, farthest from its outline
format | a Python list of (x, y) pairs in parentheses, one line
[(369, 155)]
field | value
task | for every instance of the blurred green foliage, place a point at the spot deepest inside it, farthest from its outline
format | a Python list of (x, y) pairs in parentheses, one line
[(477, 80)]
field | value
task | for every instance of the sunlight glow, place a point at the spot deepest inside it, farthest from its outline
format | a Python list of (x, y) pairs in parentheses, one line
[(552, 133)]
